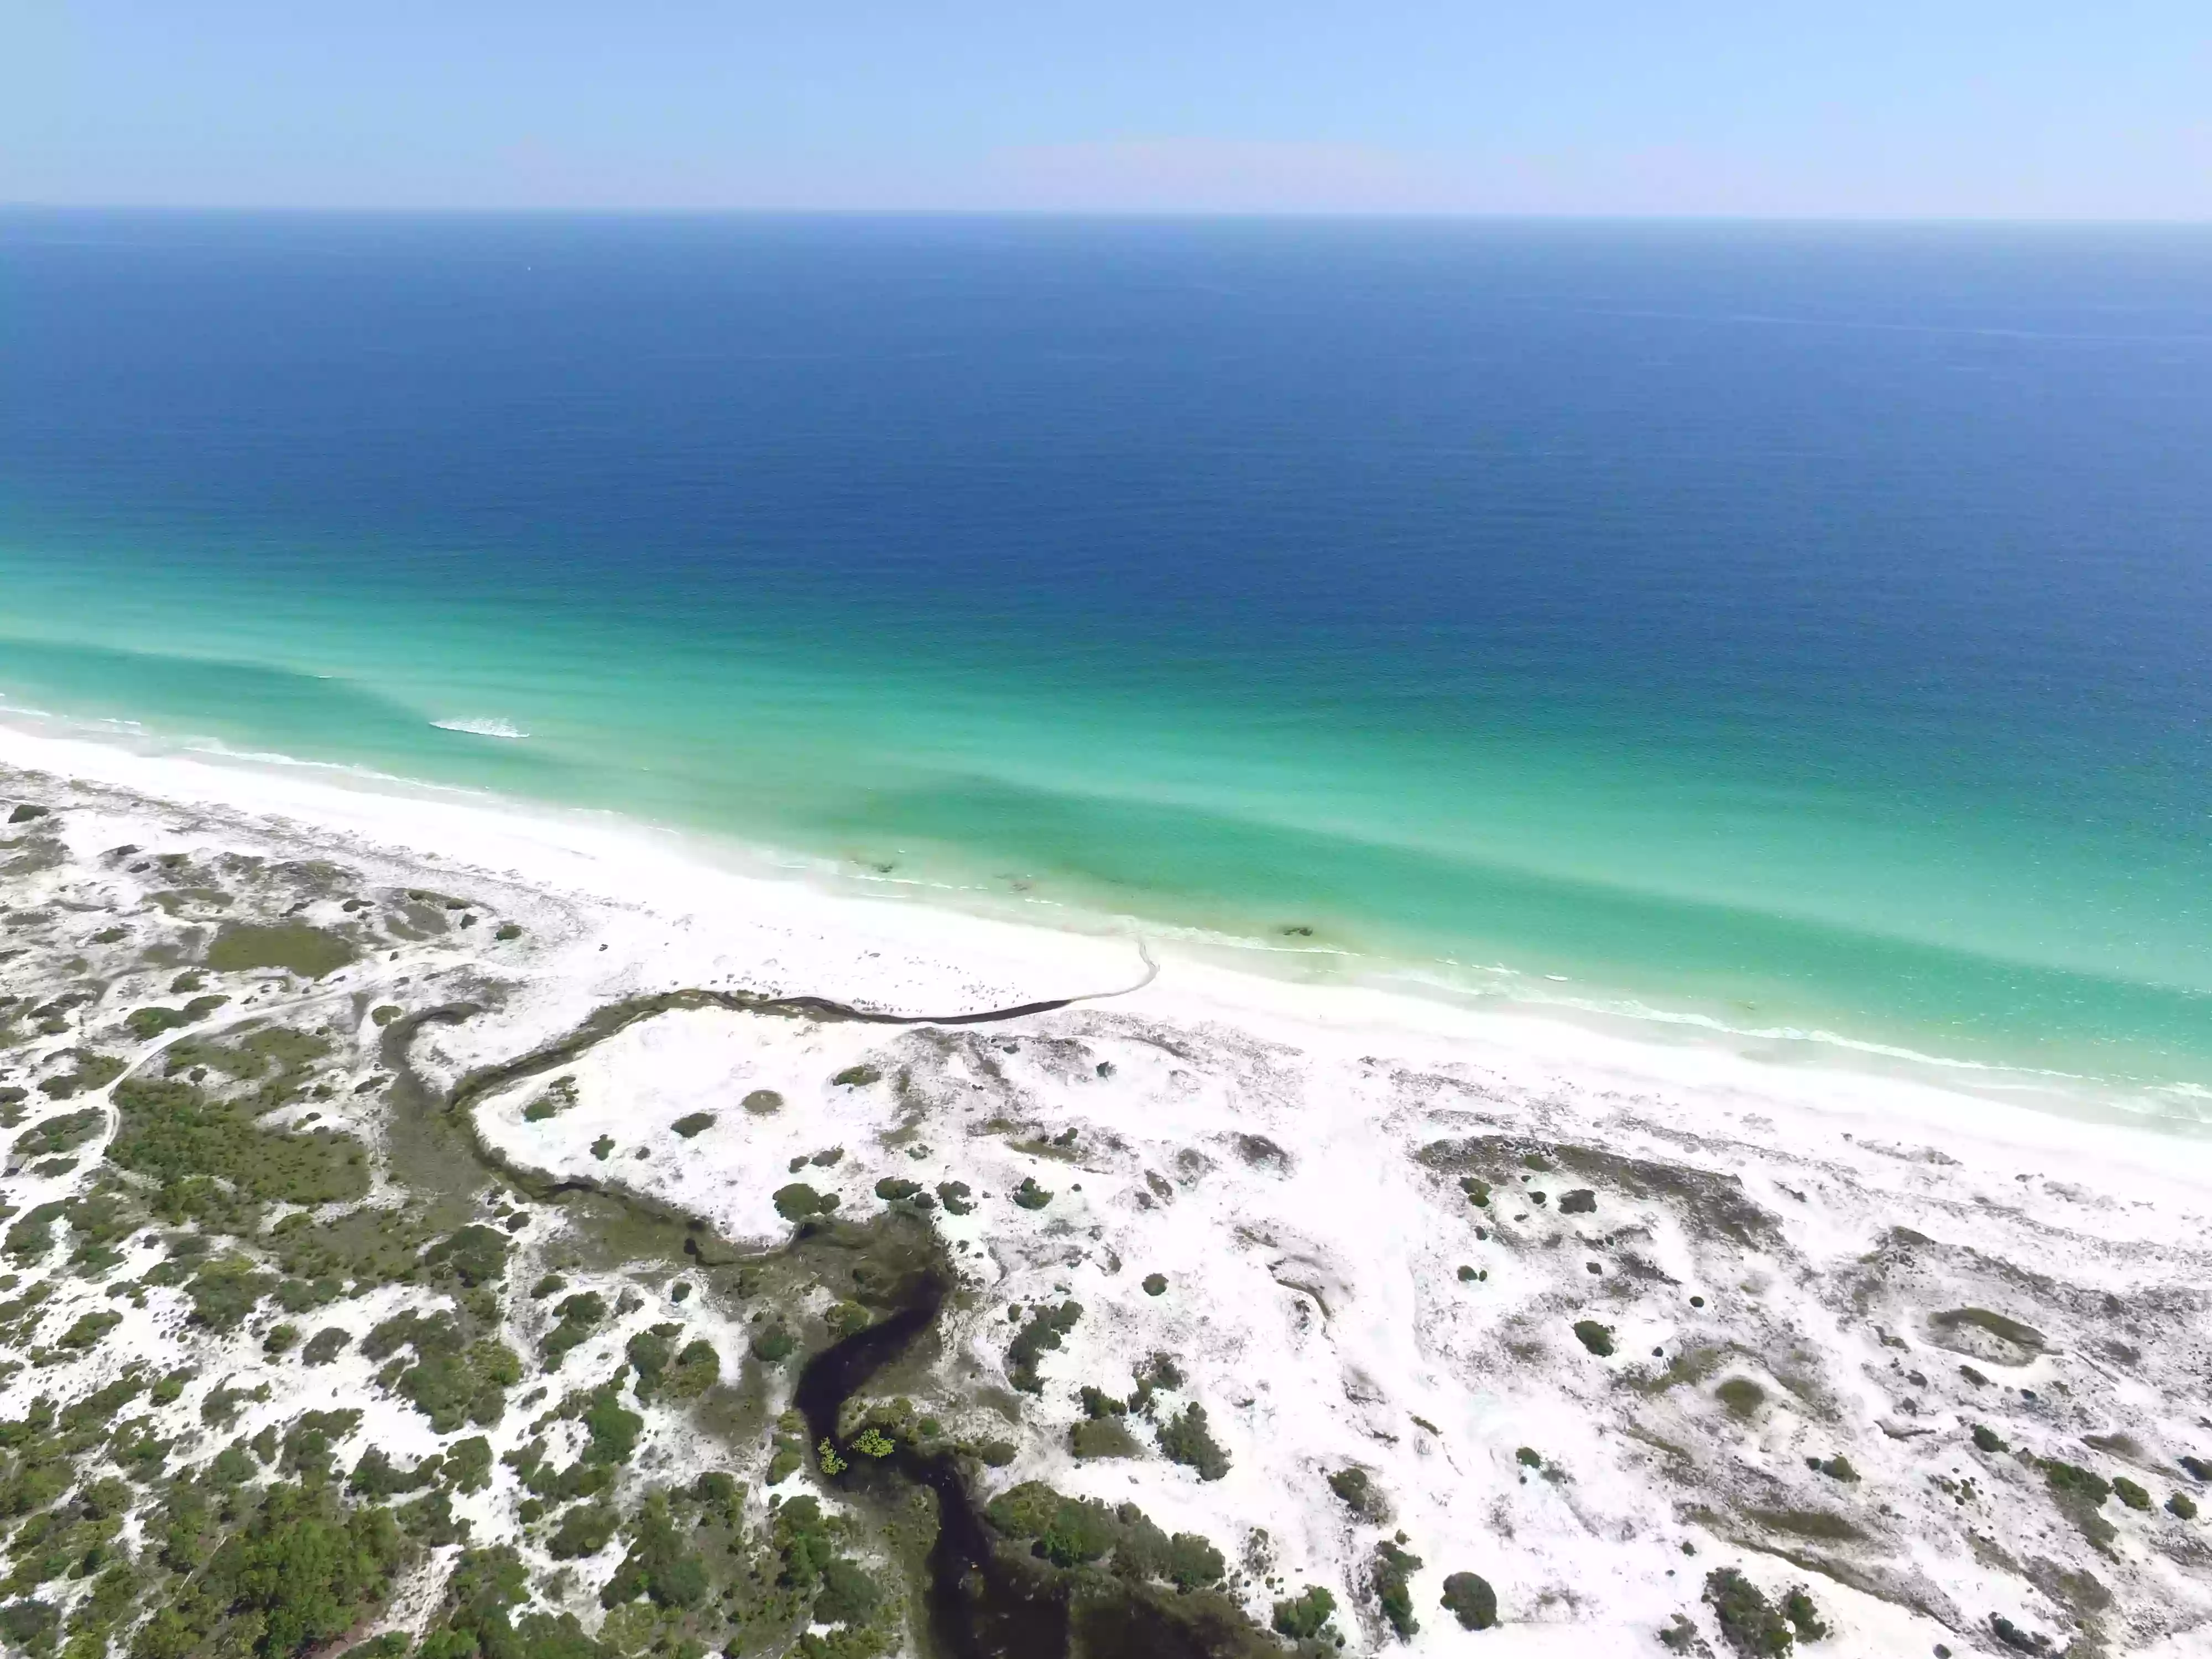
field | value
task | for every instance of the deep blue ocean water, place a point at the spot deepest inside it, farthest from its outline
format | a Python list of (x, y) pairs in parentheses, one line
[(1800, 627)]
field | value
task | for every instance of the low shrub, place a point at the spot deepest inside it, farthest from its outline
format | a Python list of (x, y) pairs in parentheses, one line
[(1303, 1615), (1185, 1439), (1471, 1601), (1749, 1623)]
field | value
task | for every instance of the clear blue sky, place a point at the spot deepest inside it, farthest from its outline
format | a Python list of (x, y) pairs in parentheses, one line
[(2017, 108)]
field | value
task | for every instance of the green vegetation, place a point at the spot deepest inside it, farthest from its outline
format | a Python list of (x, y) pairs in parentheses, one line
[(1597, 1338), (214, 1164), (693, 1124), (300, 1572), (2070, 1481), (1185, 1439), (798, 1202), (147, 1023), (955, 1196), (473, 1254), (1358, 1492), (857, 1077), (557, 1097), (1742, 1397), (92, 1071), (2129, 1493), (579, 1315), (1031, 1196), (452, 1379), (1988, 1440), (1393, 1578), (1073, 1533), (225, 1290), (763, 1103), (310, 952), (1749, 1623), (53, 1135), (1156, 1284), (1804, 1617), (1470, 1600), (1305, 1614), (1478, 1191), (774, 1344), (584, 1530), (85, 1334), (659, 1566), (893, 1190), (1098, 1437), (663, 1372), (2000, 1326), (2181, 1506), (1042, 1333)]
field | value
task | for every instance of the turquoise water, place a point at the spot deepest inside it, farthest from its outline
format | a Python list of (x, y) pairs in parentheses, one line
[(1799, 629)]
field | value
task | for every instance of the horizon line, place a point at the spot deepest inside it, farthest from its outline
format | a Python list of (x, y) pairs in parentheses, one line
[(1524, 215)]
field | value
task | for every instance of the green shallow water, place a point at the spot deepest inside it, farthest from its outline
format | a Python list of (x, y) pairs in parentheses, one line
[(1788, 633)]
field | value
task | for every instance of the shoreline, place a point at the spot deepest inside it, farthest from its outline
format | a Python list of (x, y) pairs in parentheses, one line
[(1059, 952), (1715, 1313)]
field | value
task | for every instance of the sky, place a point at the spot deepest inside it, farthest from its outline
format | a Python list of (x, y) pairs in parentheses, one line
[(1879, 108)]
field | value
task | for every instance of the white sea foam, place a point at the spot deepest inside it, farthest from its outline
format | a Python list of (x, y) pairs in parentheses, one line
[(484, 729)]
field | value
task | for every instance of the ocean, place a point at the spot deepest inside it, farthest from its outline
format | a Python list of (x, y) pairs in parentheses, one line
[(1799, 632)]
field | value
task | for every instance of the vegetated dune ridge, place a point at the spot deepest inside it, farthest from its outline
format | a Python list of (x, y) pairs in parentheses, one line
[(483, 1229)]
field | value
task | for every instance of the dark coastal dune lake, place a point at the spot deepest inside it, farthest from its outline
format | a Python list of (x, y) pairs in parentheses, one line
[(1795, 628)]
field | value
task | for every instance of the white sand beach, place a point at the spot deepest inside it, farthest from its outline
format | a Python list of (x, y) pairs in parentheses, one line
[(1589, 1316)]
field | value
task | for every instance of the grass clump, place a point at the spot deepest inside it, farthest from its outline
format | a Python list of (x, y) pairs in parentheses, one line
[(310, 952), (955, 1196), (1156, 1284), (1742, 1397), (763, 1103), (857, 1077), (1470, 1600), (1031, 1196), (1987, 1439), (693, 1124), (2129, 1493), (1105, 1437)]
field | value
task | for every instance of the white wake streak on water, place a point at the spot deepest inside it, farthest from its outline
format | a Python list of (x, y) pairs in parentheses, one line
[(484, 729)]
